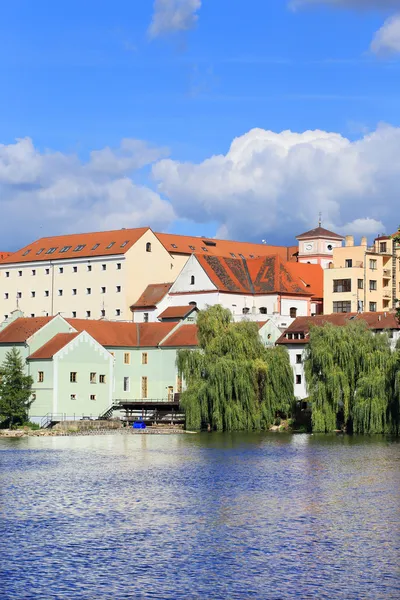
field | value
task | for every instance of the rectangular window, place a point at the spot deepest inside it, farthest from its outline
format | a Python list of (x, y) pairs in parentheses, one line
[(47, 271), (144, 358), (60, 292), (110, 245), (19, 273), (79, 247), (33, 294), (7, 273), (127, 358), (360, 284), (26, 253), (72, 397), (33, 272), (144, 387), (88, 313), (65, 249), (126, 384), (118, 289), (46, 293), (118, 312), (103, 290), (383, 247), (74, 291), (5, 295), (298, 359), (74, 314), (372, 264), (102, 312), (342, 307), (372, 285), (102, 378), (103, 267), (93, 396), (95, 246), (61, 269), (51, 250), (145, 317), (19, 294), (40, 376), (88, 291), (124, 244), (93, 378), (89, 267), (74, 269), (348, 262), (298, 379), (372, 306), (73, 377), (342, 285), (118, 266), (32, 315)]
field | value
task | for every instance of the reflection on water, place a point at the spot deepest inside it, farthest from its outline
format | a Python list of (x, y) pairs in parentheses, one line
[(213, 516)]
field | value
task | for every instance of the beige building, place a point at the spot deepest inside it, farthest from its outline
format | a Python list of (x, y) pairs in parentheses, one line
[(363, 278)]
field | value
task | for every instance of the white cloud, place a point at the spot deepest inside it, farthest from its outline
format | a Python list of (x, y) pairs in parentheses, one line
[(274, 184), (43, 193), (387, 39), (170, 16)]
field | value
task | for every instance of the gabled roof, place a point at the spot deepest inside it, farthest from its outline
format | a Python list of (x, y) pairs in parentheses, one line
[(22, 329), (374, 320), (266, 275), (319, 232), (311, 275), (4, 255), (185, 244), (185, 335), (120, 334), (177, 312), (151, 296), (78, 245), (51, 348)]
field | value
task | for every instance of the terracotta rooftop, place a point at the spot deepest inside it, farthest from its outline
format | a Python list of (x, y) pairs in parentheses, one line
[(266, 275), (51, 348), (120, 334), (319, 232), (185, 244), (4, 255), (185, 335), (151, 296), (22, 329), (301, 325), (78, 245), (177, 312), (311, 275)]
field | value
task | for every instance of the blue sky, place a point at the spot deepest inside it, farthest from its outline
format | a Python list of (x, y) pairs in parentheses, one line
[(79, 77)]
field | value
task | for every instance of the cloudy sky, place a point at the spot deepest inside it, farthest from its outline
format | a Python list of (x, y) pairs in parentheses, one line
[(211, 117)]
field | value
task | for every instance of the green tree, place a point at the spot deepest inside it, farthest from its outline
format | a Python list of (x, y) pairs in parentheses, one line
[(15, 389), (233, 381), (352, 378)]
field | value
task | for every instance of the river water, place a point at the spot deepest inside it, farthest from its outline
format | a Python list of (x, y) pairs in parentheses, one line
[(211, 516)]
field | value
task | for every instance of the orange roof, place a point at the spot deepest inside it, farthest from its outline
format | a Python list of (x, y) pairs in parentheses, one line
[(78, 245), (152, 295), (311, 275), (185, 244), (374, 320), (177, 312), (22, 329), (266, 275), (4, 255), (51, 348), (123, 334), (185, 335)]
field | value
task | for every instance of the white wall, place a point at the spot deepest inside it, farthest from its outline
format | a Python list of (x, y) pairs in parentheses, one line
[(300, 390), (192, 268), (300, 304)]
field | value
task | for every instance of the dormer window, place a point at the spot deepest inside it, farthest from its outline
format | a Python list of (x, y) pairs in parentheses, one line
[(26, 253), (39, 251), (241, 256), (204, 249), (148, 247), (79, 248), (232, 254), (174, 245), (192, 248), (65, 249)]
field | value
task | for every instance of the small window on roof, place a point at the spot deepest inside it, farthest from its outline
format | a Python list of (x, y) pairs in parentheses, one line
[(26, 252), (251, 255), (209, 243), (110, 245), (204, 249), (95, 246), (79, 247), (241, 256), (232, 254), (65, 249), (124, 244), (39, 251), (192, 247), (174, 245), (51, 250)]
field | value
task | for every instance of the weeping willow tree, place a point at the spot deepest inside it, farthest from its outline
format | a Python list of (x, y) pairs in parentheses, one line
[(353, 379), (233, 381)]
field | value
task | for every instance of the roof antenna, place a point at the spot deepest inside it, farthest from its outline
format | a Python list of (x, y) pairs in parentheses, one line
[(319, 219)]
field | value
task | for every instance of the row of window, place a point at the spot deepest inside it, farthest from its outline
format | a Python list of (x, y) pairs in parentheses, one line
[(344, 285), (62, 269), (127, 358), (77, 248), (103, 290), (373, 263), (345, 306), (73, 377)]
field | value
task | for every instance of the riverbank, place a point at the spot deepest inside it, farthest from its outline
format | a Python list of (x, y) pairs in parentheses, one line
[(20, 433)]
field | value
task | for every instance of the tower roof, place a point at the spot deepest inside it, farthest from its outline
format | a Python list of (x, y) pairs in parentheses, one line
[(319, 232)]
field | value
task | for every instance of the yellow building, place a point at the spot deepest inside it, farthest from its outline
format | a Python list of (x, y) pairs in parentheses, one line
[(363, 278)]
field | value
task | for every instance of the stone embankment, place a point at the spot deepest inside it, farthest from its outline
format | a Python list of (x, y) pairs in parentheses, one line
[(65, 431)]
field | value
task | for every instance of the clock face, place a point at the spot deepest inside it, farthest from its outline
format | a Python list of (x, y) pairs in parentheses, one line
[(308, 247), (329, 247)]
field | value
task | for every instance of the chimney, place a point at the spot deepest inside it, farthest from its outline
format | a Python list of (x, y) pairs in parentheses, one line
[(349, 241), (364, 241)]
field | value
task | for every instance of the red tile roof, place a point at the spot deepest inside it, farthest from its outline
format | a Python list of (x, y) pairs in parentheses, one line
[(151, 296), (22, 329), (266, 275), (177, 312), (4, 255), (185, 244), (122, 334), (319, 232), (78, 245), (311, 275), (374, 320), (185, 335), (51, 348)]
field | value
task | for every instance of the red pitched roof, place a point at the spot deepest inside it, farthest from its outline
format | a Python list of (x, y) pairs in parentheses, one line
[(21, 329), (185, 335), (185, 244), (103, 243), (4, 255), (374, 320), (120, 334), (151, 296), (312, 276), (266, 275), (177, 312), (319, 232), (51, 348)]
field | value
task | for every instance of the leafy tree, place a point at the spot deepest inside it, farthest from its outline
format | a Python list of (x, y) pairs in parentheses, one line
[(352, 375), (233, 381), (15, 389)]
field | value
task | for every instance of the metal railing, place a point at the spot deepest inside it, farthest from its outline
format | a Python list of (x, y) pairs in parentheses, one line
[(50, 418)]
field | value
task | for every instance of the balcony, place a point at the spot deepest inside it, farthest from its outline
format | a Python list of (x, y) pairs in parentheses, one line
[(387, 273)]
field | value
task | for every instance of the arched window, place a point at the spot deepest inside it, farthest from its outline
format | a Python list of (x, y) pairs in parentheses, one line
[(192, 303), (148, 247), (245, 311), (192, 280), (263, 310), (293, 312)]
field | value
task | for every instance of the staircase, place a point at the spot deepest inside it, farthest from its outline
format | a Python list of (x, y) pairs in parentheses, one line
[(51, 419)]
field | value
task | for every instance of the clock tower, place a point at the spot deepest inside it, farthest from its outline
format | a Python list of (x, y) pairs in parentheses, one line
[(316, 246)]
